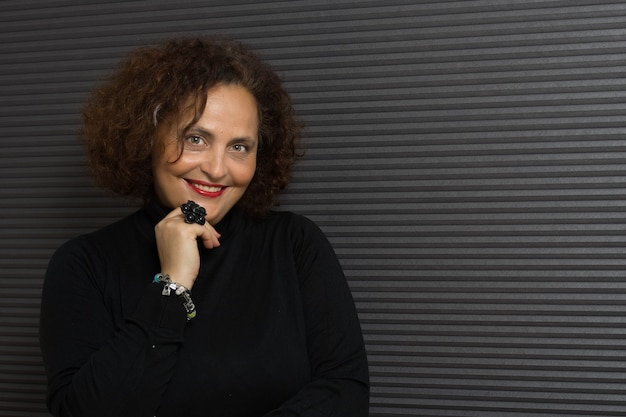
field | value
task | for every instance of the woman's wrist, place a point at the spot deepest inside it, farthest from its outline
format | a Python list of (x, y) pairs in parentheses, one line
[(170, 287), (179, 276)]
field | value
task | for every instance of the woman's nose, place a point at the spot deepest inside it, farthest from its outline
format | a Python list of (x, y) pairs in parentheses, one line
[(214, 165)]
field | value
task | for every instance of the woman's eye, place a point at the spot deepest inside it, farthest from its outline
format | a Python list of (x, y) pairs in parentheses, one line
[(195, 140), (240, 148)]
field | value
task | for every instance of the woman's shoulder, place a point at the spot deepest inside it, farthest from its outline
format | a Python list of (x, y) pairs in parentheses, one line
[(295, 230), (97, 242), (293, 223)]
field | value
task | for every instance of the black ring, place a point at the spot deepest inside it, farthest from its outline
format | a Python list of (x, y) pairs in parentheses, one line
[(194, 213)]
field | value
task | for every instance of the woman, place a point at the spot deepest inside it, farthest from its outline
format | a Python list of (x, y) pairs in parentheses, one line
[(204, 302)]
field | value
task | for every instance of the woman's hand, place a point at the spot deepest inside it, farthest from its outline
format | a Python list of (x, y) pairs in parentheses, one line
[(177, 243)]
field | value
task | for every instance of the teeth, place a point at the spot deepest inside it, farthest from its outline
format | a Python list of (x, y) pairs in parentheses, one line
[(208, 188)]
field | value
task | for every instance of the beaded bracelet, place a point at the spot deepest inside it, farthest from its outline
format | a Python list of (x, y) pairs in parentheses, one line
[(179, 290)]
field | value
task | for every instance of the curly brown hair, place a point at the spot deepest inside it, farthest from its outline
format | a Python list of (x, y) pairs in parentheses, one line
[(154, 84)]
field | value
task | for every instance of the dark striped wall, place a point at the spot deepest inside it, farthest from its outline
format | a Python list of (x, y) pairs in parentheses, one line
[(466, 159)]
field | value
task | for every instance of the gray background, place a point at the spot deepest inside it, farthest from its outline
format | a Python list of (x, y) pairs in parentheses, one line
[(465, 158)]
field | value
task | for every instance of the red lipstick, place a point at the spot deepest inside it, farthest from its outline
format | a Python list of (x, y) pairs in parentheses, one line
[(206, 189)]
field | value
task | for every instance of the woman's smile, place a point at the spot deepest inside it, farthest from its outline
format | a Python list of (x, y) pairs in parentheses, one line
[(206, 190)]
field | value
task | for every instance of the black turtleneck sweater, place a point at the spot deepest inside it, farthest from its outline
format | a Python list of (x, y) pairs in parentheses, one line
[(276, 332)]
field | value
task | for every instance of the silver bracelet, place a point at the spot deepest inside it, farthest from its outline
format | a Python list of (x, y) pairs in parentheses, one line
[(179, 290)]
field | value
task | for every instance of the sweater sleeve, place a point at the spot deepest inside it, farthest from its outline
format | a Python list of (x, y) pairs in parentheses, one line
[(94, 366), (340, 380)]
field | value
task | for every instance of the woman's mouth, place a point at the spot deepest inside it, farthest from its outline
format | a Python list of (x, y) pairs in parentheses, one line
[(207, 190)]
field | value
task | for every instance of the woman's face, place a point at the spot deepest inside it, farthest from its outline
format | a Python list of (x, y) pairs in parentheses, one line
[(218, 159)]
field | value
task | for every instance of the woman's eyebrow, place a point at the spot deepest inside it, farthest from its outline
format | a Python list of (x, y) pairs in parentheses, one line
[(199, 130)]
